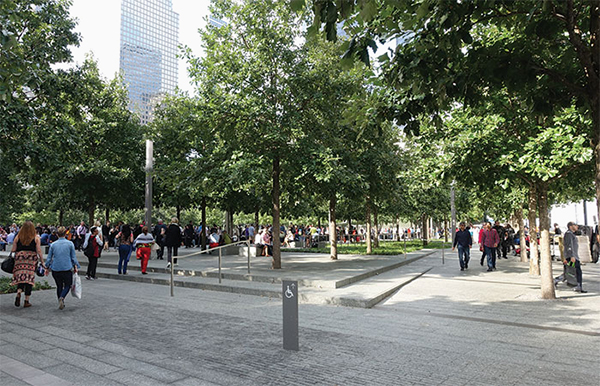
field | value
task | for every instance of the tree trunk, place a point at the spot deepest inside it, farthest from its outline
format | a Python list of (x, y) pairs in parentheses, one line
[(179, 213), (522, 244), (546, 259), (368, 222), (91, 210), (446, 233), (397, 229), (276, 213), (61, 215), (534, 265), (593, 88), (203, 235), (597, 154), (107, 215), (425, 230), (256, 220), (376, 221), (332, 228)]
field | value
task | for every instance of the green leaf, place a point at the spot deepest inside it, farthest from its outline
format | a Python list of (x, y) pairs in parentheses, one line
[(297, 5), (369, 10)]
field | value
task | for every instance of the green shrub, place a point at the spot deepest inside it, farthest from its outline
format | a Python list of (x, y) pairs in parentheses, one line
[(6, 288)]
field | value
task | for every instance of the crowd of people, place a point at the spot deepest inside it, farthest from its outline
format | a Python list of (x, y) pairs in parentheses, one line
[(61, 244), (304, 236), (496, 241)]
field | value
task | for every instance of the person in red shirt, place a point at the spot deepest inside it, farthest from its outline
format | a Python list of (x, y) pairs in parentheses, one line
[(490, 240), (481, 244)]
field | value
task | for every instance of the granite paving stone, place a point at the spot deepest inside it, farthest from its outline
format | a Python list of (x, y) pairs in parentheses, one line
[(78, 376), (445, 327), (82, 361), (8, 380)]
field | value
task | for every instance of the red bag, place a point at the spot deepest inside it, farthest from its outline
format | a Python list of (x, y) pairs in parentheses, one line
[(138, 253)]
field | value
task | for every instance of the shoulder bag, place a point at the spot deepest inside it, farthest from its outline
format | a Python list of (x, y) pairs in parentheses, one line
[(8, 264)]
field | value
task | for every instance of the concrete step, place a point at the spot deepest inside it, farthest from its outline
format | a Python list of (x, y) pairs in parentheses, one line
[(369, 292), (198, 282), (236, 275), (354, 279), (364, 294), (189, 272)]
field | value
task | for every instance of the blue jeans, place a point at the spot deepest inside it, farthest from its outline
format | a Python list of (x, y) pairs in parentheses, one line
[(466, 252), (124, 254), (64, 281), (491, 257)]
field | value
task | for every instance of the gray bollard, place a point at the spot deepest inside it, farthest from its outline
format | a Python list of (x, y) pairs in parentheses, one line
[(290, 315)]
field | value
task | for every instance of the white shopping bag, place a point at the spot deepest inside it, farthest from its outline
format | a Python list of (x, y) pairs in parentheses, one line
[(76, 287)]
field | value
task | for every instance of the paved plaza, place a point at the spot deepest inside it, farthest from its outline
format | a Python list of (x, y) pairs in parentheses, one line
[(442, 326)]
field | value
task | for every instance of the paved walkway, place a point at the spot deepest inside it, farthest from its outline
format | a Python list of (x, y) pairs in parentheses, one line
[(445, 327)]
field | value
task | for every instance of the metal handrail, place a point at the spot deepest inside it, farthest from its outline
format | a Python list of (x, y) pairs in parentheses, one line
[(208, 250)]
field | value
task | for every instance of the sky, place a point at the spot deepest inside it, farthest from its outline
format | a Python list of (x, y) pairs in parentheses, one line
[(99, 24)]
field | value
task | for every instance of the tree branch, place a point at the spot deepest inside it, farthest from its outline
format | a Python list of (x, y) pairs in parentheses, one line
[(567, 171), (583, 52), (576, 89)]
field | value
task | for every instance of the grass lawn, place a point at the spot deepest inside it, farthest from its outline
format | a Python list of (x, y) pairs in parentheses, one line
[(6, 288), (385, 248)]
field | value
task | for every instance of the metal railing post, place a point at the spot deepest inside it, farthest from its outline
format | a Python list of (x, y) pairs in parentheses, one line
[(220, 248), (248, 257), (172, 279)]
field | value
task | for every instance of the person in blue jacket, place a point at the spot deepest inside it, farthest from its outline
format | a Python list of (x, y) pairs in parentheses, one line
[(63, 263), (464, 241)]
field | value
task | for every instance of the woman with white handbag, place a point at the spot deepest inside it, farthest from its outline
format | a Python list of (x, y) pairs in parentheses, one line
[(63, 263)]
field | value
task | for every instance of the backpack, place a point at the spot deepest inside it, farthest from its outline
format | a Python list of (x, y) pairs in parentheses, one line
[(89, 250)]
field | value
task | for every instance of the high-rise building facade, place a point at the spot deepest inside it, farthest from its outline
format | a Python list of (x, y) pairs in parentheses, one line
[(148, 58)]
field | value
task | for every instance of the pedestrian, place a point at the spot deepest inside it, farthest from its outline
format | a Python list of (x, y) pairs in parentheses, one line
[(143, 246), (501, 231), (267, 240), (172, 241), (80, 234), (557, 230), (92, 248), (463, 240), (125, 238), (27, 251), (188, 234), (159, 235), (106, 234), (489, 241), (481, 248), (571, 246), (61, 260), (508, 244), (214, 240)]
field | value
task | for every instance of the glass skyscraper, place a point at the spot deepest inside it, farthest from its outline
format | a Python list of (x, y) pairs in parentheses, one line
[(148, 61)]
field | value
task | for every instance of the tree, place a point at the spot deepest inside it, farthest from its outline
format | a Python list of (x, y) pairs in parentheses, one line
[(327, 167), (34, 36), (253, 75), (89, 145), (511, 148), (457, 51)]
